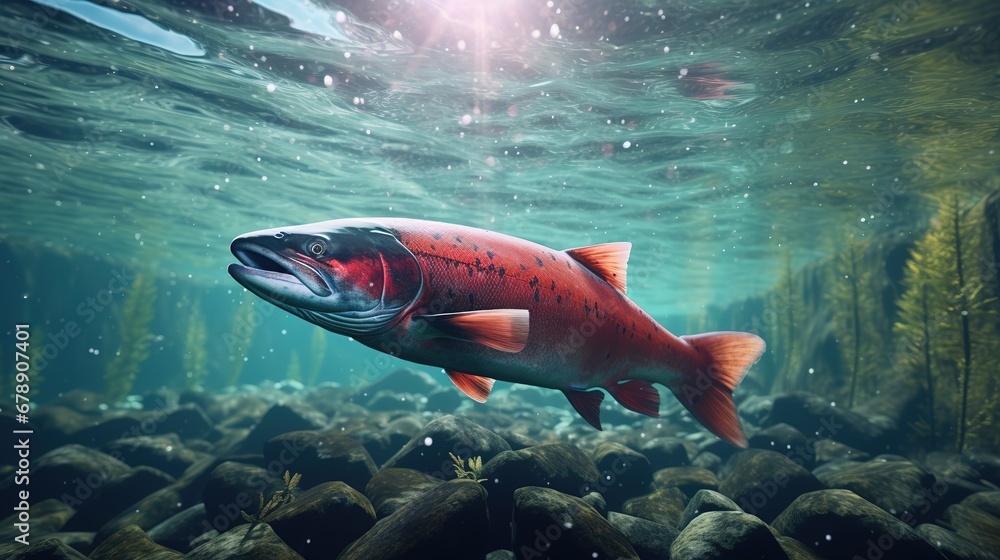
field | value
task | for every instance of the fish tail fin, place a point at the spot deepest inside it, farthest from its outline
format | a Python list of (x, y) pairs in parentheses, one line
[(707, 391)]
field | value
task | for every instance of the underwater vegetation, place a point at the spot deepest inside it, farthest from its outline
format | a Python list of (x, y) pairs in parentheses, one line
[(195, 358), (238, 338), (132, 319), (278, 499), (317, 351), (947, 332)]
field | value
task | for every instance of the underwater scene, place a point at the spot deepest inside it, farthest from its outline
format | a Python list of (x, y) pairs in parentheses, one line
[(500, 279)]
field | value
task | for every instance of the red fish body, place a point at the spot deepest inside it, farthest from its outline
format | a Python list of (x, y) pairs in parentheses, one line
[(485, 306)]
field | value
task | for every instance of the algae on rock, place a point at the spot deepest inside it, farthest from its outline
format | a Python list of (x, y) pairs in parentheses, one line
[(132, 318)]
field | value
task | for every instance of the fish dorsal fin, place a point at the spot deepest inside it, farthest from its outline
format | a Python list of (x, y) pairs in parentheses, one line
[(588, 404), (505, 330), (607, 260), (475, 387)]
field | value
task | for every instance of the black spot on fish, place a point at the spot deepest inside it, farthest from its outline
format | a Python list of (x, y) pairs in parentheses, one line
[(649, 336), (536, 294), (475, 248), (553, 286), (456, 263), (470, 272), (433, 248), (586, 307), (569, 265), (523, 267), (479, 263), (534, 282), (607, 356), (472, 299), (436, 236), (489, 254), (624, 330), (553, 257), (491, 268), (458, 239), (558, 298), (451, 293), (502, 271), (539, 261)]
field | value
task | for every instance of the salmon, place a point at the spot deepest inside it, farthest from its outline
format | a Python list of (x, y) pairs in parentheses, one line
[(484, 306)]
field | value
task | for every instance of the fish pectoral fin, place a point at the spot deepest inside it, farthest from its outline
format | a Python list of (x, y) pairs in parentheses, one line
[(588, 404), (607, 260), (637, 396), (505, 330), (475, 387)]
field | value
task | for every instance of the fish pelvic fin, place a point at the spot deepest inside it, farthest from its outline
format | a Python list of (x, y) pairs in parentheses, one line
[(505, 330), (475, 387), (588, 404), (707, 391), (637, 396)]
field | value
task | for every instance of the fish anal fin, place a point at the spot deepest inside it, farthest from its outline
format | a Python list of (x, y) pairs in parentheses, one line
[(588, 404), (475, 387), (638, 396), (505, 330), (607, 260)]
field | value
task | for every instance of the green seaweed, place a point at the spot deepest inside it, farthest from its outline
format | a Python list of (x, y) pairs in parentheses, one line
[(474, 471), (239, 337), (133, 317), (317, 351), (294, 371), (195, 358), (278, 499)]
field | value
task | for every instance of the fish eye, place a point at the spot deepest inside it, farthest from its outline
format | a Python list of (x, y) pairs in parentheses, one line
[(317, 248)]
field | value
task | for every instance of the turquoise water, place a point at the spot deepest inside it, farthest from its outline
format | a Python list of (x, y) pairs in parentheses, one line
[(721, 138)]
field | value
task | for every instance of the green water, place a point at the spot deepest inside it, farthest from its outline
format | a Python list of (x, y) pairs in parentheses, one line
[(721, 138)]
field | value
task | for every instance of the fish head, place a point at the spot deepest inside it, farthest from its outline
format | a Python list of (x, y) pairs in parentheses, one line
[(351, 277)]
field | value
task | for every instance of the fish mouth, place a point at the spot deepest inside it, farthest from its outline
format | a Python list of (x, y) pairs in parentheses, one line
[(284, 279)]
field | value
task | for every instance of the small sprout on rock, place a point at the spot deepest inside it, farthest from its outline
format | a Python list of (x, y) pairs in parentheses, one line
[(278, 499), (475, 467)]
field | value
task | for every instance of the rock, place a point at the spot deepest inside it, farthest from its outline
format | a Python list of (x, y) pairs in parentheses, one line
[(726, 534), (443, 400), (428, 451), (80, 541), (280, 419), (391, 489), (501, 554), (517, 440), (766, 483), (708, 461), (796, 550), (952, 466), (550, 524), (320, 457), (403, 380), (245, 543), (625, 473), (234, 487), (131, 543), (46, 517), (785, 439), (663, 506), (43, 549), (186, 420), (988, 465), (986, 501), (704, 501), (392, 401), (596, 501), (953, 546), (305, 523), (899, 487), (180, 530), (559, 466), (841, 524), (686, 479), (649, 539), (448, 521), (664, 452), (814, 416), (147, 512), (165, 453), (827, 450), (75, 471), (975, 525), (115, 495)]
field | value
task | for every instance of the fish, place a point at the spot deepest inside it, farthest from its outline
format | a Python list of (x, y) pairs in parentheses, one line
[(484, 306)]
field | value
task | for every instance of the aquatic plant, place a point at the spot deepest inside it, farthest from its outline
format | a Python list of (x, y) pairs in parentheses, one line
[(317, 351), (278, 499), (853, 303), (132, 321), (239, 337), (475, 467), (948, 326), (194, 361)]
